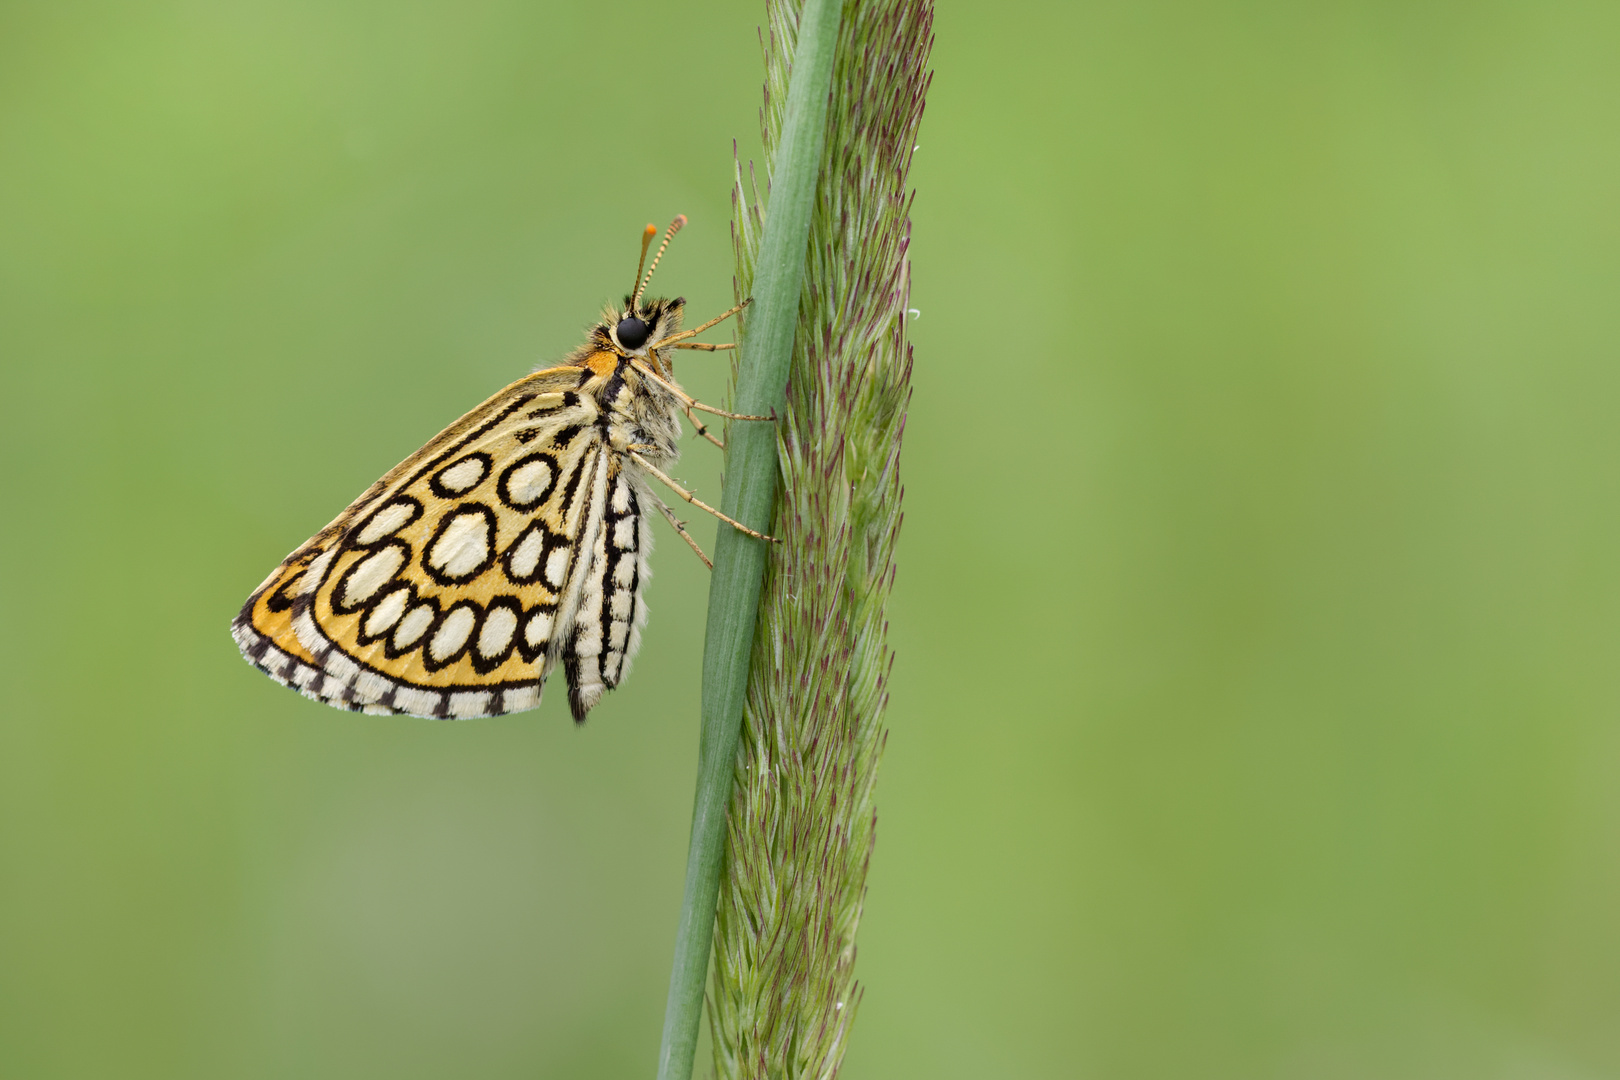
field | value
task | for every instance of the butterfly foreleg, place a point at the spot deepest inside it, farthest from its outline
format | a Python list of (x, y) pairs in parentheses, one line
[(670, 483), (696, 330), (691, 402)]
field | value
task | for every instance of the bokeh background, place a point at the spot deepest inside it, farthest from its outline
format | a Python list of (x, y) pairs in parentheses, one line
[(1258, 617)]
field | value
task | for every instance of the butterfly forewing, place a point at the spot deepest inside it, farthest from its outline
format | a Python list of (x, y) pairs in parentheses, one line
[(449, 589)]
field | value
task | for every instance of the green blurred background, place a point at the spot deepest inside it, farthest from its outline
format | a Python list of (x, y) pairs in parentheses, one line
[(1258, 610)]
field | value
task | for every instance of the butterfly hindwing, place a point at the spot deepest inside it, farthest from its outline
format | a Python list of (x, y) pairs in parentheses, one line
[(449, 588), (607, 626)]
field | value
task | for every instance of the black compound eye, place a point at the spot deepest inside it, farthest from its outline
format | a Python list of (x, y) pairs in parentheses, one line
[(632, 332)]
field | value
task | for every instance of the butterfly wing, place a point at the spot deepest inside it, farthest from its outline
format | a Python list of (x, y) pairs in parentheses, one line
[(449, 589), (607, 626)]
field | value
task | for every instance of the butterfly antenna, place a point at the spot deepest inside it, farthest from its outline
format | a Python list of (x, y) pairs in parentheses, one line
[(646, 242), (674, 227)]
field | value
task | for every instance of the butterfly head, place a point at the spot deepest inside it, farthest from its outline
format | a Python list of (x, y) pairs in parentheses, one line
[(632, 328)]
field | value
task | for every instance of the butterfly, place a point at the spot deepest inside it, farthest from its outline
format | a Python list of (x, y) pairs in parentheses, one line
[(517, 538)]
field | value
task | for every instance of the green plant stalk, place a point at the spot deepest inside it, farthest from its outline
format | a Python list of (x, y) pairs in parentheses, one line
[(748, 496), (803, 819)]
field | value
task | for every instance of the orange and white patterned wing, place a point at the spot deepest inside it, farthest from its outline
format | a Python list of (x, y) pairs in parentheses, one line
[(448, 589)]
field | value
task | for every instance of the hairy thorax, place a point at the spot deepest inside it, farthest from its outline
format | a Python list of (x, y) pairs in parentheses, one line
[(641, 415)]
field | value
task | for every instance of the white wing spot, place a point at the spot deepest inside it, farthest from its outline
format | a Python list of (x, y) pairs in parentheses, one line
[(463, 546), (537, 631), (624, 534), (529, 481), (464, 475), (526, 556), (370, 686), (469, 704), (557, 566), (387, 612), (369, 576), (516, 699), (317, 570), (452, 633), (587, 639), (341, 666), (413, 626), (621, 497), (387, 521), (624, 573), (416, 702), (496, 636), (620, 606)]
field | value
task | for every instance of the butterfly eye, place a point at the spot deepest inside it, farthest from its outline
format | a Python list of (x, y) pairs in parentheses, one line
[(632, 332)]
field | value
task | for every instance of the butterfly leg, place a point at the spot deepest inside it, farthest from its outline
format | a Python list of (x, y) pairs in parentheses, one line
[(695, 404), (704, 345), (694, 500), (696, 330), (691, 402), (701, 429), (680, 527)]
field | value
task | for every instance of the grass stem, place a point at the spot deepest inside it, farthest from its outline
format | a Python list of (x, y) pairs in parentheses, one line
[(748, 496), (803, 818)]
